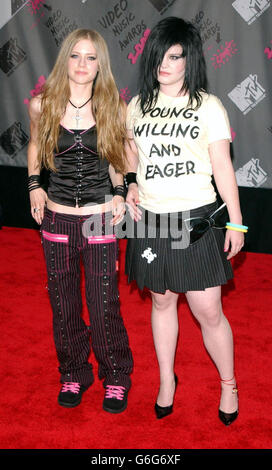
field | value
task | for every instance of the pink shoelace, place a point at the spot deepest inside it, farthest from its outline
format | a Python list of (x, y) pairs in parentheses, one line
[(73, 387), (115, 391)]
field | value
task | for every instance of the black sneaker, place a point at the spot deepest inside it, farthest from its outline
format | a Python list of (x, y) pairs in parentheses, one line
[(115, 400), (70, 394)]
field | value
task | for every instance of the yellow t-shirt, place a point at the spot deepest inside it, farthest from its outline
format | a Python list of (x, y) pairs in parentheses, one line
[(174, 171)]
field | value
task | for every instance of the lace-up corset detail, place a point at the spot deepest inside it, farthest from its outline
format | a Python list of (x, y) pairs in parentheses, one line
[(82, 177)]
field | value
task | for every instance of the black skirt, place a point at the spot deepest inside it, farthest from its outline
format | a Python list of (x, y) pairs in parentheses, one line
[(155, 262)]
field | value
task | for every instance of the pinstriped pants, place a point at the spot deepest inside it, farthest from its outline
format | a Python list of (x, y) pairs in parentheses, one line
[(65, 246)]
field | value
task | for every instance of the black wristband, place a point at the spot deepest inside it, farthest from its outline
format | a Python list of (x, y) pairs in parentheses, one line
[(130, 178), (34, 182), (119, 190)]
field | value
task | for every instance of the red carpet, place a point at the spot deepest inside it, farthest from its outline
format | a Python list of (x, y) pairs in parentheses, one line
[(30, 415)]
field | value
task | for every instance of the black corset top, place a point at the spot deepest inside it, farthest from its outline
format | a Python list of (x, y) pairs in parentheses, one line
[(82, 176)]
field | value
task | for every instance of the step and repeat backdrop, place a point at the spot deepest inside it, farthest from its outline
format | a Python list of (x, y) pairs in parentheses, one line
[(237, 41)]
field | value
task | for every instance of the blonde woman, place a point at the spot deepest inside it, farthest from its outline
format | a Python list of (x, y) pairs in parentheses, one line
[(77, 133)]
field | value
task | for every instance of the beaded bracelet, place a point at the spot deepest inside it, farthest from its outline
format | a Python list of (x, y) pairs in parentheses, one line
[(34, 182), (130, 178), (119, 190), (237, 227)]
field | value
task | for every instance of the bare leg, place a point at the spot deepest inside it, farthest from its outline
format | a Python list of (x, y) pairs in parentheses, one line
[(164, 322), (217, 336)]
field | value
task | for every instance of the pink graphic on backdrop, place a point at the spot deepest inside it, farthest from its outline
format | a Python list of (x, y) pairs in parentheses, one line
[(35, 5), (268, 52), (139, 47), (125, 94), (36, 9), (37, 89), (224, 54), (233, 134)]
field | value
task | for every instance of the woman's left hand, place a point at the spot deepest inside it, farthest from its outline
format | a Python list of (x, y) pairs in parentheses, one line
[(234, 242), (118, 209)]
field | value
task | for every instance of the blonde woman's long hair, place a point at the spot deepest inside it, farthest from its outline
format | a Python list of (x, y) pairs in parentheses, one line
[(108, 108)]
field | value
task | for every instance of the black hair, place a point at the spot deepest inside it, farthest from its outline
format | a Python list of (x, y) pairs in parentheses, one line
[(165, 34)]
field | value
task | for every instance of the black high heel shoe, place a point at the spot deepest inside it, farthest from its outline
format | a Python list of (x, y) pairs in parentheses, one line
[(163, 411), (228, 418)]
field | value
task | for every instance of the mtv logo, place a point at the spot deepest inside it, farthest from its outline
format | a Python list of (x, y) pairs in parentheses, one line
[(251, 174), (13, 139), (159, 4), (11, 55), (247, 94), (250, 10)]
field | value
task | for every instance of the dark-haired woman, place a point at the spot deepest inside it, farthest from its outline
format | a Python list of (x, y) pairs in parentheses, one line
[(179, 137), (78, 133)]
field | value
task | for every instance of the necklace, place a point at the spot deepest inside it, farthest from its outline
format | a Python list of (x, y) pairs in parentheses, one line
[(77, 116)]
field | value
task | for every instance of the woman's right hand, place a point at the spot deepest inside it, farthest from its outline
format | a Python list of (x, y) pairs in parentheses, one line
[(132, 201), (38, 199)]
